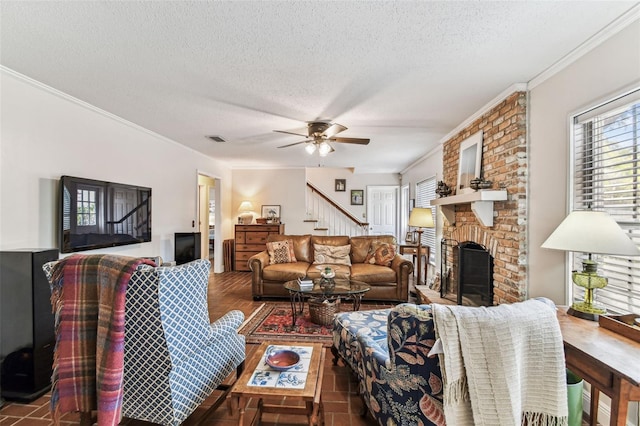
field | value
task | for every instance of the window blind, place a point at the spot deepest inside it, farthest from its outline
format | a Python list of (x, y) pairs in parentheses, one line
[(425, 192), (606, 161)]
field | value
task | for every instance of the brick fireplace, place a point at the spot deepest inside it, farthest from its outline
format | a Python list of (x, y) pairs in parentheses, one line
[(504, 163)]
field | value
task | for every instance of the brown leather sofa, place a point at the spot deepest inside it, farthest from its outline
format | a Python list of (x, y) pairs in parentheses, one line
[(387, 282)]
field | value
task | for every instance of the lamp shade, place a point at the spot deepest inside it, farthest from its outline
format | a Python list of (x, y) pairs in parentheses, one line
[(421, 218), (245, 206), (591, 231)]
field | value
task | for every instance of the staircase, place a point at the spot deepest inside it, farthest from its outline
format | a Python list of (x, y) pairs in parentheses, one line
[(329, 218)]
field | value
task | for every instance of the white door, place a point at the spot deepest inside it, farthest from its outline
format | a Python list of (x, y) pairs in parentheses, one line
[(382, 207)]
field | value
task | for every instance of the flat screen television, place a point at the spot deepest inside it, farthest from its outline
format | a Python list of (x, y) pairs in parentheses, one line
[(95, 214)]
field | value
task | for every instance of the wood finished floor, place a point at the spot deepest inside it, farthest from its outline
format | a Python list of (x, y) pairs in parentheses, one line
[(227, 291)]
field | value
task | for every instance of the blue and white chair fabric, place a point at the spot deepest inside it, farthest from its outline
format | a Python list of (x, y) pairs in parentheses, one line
[(399, 383), (174, 358)]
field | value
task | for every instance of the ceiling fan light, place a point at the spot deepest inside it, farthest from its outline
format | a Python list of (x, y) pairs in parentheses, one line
[(324, 149), (310, 148)]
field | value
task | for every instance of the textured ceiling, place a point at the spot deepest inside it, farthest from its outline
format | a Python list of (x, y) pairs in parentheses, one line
[(403, 74)]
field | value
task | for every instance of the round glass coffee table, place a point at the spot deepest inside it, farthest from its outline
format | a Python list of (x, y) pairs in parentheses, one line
[(344, 288)]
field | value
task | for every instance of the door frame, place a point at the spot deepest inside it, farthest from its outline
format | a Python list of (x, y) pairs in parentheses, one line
[(218, 259)]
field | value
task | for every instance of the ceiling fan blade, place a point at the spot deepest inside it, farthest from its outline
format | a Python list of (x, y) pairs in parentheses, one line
[(334, 129), (358, 141), (292, 133), (292, 144)]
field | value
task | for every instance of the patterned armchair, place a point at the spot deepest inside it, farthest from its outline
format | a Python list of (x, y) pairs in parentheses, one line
[(173, 357), (388, 350)]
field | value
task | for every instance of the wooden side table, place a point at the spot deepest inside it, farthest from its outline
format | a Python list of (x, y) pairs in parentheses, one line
[(242, 391), (605, 359), (412, 249)]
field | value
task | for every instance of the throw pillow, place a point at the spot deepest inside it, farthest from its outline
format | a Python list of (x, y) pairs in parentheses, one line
[(281, 252), (381, 254), (338, 255)]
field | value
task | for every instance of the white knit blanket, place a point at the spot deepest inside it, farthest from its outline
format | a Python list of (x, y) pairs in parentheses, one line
[(502, 365)]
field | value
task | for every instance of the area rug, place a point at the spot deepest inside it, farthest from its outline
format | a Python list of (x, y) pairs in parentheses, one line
[(272, 321)]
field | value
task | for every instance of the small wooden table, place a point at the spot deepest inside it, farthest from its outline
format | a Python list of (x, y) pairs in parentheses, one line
[(412, 249), (242, 391), (605, 359)]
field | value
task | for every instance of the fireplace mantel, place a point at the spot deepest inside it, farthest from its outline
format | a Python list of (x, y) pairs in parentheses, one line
[(481, 204)]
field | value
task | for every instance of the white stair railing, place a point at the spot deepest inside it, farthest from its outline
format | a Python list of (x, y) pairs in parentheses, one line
[(330, 219)]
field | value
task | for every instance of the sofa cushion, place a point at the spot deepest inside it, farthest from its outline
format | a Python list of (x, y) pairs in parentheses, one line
[(360, 247), (281, 252), (337, 255), (327, 240), (381, 254), (285, 271), (301, 245), (372, 274)]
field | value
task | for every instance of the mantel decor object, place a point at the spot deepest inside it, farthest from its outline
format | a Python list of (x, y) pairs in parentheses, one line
[(469, 162), (592, 232), (479, 183), (443, 190)]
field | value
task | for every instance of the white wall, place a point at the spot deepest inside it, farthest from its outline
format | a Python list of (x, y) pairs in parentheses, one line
[(603, 72), (283, 187), (428, 166), (46, 134)]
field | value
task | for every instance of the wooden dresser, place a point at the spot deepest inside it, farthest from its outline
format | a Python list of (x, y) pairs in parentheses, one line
[(250, 240)]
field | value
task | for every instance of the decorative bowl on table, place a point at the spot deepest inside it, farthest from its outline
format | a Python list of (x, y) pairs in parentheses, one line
[(282, 359), (327, 272)]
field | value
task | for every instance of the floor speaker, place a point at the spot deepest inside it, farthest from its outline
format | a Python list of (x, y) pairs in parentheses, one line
[(27, 336)]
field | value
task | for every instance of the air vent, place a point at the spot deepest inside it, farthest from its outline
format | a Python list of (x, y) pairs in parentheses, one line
[(216, 138)]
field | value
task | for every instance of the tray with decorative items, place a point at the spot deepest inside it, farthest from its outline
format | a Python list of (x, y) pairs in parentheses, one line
[(626, 325)]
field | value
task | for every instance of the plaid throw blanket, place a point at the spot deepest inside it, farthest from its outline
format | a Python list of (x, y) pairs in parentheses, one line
[(88, 299)]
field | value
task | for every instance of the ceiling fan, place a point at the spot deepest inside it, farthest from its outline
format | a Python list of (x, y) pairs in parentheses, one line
[(320, 134)]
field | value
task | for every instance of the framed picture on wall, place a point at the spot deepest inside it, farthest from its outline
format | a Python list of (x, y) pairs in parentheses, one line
[(341, 185), (357, 197), (270, 212)]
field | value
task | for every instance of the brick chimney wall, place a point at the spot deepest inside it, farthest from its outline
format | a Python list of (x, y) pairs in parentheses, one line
[(504, 162)]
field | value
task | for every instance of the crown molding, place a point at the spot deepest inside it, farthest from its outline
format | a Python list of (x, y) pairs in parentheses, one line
[(591, 43), (39, 85)]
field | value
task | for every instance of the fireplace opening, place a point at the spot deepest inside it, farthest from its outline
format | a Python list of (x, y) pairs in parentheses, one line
[(475, 275)]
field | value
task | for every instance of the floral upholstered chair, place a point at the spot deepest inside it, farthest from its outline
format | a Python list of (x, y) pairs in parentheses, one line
[(388, 349), (174, 358)]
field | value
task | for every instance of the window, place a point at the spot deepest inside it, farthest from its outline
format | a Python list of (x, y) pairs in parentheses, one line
[(425, 192), (86, 207), (606, 161)]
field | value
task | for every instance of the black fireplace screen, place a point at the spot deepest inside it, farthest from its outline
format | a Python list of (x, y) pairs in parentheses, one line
[(475, 275)]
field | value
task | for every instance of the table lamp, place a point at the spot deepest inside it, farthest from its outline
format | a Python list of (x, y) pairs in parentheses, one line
[(246, 214), (420, 218), (590, 232)]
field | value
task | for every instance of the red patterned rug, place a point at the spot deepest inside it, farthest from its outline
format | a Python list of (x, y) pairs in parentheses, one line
[(272, 321)]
